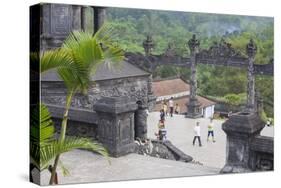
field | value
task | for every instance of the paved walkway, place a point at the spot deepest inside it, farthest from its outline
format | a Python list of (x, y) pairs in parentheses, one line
[(85, 166), (180, 133)]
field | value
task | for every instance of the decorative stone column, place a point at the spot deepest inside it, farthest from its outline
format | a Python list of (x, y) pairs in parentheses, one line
[(141, 122), (116, 124), (148, 45), (241, 129), (99, 17), (193, 110), (251, 50)]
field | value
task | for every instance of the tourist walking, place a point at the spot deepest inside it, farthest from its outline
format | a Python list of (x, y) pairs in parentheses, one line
[(211, 130), (171, 105), (162, 115), (177, 109), (197, 134), (165, 107)]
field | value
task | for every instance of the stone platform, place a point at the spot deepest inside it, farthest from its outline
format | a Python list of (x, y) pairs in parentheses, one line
[(86, 167)]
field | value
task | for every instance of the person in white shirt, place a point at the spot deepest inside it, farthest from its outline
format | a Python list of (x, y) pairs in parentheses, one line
[(171, 105), (197, 134)]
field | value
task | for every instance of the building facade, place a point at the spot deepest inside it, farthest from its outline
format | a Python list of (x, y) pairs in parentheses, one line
[(180, 91)]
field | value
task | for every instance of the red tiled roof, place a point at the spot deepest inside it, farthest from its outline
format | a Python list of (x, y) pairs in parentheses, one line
[(169, 87), (182, 101), (174, 86)]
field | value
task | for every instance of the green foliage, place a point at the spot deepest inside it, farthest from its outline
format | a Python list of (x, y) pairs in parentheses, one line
[(44, 147), (233, 99), (263, 116), (41, 132)]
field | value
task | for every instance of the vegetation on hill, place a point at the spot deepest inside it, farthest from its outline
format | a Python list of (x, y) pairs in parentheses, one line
[(176, 28)]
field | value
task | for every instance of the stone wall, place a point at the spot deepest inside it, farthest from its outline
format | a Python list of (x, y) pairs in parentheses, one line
[(135, 88)]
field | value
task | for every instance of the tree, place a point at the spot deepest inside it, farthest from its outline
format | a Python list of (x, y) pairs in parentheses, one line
[(85, 52)]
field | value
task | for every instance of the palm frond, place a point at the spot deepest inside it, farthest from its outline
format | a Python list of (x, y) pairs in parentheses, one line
[(85, 52), (53, 59), (42, 126), (105, 34), (50, 151), (41, 131)]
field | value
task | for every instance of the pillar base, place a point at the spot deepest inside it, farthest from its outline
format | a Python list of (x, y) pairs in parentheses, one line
[(234, 169), (241, 129), (193, 109), (193, 115)]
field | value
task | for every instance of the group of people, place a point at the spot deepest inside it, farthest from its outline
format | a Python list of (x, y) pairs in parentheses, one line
[(197, 133), (162, 132), (172, 109)]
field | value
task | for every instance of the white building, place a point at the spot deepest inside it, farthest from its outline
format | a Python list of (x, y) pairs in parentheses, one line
[(180, 91)]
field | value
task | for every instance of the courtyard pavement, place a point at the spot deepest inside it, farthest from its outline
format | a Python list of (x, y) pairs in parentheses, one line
[(85, 167), (180, 133)]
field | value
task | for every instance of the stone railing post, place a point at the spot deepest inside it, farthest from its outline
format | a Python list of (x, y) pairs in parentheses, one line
[(241, 129), (116, 124)]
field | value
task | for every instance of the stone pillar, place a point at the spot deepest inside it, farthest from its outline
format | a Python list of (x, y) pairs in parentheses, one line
[(141, 122), (116, 124), (99, 17), (151, 98), (76, 17), (251, 52), (193, 110), (241, 129), (148, 45), (83, 18)]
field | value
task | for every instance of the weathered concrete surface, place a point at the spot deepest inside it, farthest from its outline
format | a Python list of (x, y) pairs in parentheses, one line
[(180, 133), (86, 166)]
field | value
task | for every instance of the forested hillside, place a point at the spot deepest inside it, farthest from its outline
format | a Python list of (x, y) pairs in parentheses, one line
[(177, 28)]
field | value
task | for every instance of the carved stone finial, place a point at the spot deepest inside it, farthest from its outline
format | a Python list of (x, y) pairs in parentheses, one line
[(251, 48), (170, 51), (148, 45), (193, 43)]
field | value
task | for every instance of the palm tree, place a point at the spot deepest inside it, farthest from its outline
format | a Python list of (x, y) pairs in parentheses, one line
[(44, 147), (75, 62)]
